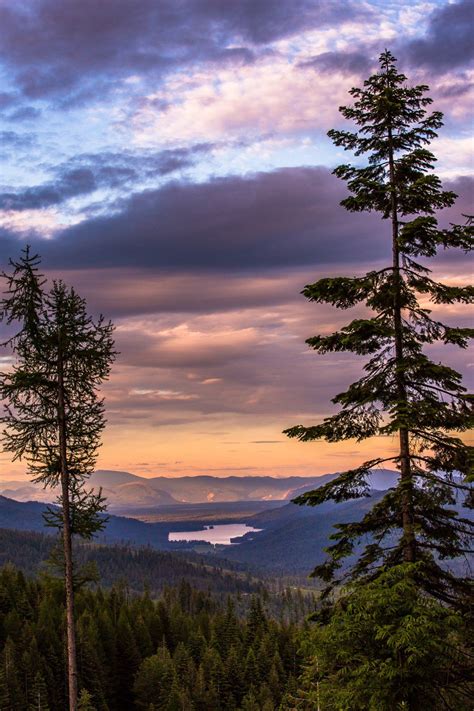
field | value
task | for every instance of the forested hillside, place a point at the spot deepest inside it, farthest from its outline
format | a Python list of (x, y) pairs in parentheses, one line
[(293, 538), (184, 651), (139, 567)]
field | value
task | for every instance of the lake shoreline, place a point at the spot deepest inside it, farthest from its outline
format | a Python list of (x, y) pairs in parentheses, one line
[(215, 534)]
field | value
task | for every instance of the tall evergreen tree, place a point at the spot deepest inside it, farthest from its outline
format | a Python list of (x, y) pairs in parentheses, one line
[(53, 416), (393, 638), (403, 393), (10, 692)]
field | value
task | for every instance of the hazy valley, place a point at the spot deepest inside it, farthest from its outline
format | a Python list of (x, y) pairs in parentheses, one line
[(272, 535), (124, 490)]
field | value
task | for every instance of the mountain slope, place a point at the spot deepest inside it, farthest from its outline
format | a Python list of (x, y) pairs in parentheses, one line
[(138, 568), (135, 493), (28, 516), (294, 537)]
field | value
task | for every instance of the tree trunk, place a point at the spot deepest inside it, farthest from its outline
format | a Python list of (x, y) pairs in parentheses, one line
[(67, 540), (404, 443)]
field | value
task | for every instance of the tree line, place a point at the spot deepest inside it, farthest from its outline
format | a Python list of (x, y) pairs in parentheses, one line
[(142, 568)]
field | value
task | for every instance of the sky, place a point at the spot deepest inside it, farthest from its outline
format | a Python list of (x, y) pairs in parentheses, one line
[(169, 159)]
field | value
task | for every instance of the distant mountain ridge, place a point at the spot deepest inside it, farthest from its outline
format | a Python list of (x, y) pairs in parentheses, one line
[(124, 489), (379, 480)]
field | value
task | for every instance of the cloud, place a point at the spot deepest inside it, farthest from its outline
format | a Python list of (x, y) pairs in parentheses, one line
[(234, 244), (65, 47), (448, 42), (122, 292), (456, 157), (273, 98), (7, 99), (72, 183), (183, 345), (452, 90), (16, 140), (262, 370), (339, 62), (287, 217), (256, 359), (19, 226), (25, 113), (167, 395), (85, 173)]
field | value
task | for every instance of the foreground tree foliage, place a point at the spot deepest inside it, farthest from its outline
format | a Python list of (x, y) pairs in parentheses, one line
[(387, 647), (406, 395), (53, 416), (183, 652)]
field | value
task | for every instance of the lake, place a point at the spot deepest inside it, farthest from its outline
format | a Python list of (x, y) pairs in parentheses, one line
[(220, 533)]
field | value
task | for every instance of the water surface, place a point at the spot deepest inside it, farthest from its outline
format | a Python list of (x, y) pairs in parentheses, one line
[(220, 533)]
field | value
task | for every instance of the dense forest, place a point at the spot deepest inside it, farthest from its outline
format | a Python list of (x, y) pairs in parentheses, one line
[(183, 651), (139, 569)]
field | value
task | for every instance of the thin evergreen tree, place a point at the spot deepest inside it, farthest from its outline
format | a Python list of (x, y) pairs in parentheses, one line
[(39, 694), (53, 415), (85, 701), (10, 687), (404, 393)]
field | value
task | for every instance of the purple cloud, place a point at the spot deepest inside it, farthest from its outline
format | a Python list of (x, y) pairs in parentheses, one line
[(449, 39), (447, 45), (73, 183), (62, 47), (288, 218), (13, 139), (7, 99), (85, 173), (344, 62), (129, 292), (25, 113)]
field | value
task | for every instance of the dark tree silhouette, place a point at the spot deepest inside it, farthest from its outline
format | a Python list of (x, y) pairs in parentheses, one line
[(395, 635), (404, 393), (53, 414)]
